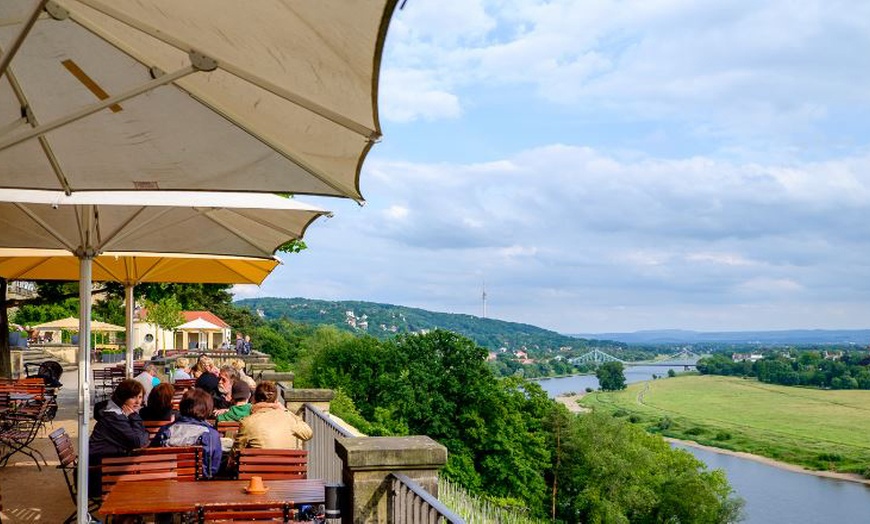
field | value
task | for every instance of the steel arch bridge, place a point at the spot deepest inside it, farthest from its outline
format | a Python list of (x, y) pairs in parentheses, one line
[(596, 356)]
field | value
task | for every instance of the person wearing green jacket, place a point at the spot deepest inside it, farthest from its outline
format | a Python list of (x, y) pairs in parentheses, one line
[(241, 408)]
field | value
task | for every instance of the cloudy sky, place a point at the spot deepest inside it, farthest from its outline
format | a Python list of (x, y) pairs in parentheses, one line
[(613, 166)]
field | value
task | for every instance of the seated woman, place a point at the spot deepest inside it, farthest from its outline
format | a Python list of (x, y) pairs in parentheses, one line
[(204, 364), (191, 429), (182, 369), (159, 403), (270, 425), (239, 366), (119, 428)]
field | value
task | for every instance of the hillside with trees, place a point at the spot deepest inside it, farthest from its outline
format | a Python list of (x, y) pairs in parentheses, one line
[(383, 321)]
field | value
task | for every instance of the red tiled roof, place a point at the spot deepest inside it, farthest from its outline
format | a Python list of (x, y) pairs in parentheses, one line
[(189, 316), (208, 316)]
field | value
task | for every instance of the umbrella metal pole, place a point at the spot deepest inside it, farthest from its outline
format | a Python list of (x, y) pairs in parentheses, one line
[(128, 300), (84, 412)]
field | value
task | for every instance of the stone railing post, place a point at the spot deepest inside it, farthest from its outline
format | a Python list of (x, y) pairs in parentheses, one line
[(368, 461), (319, 398)]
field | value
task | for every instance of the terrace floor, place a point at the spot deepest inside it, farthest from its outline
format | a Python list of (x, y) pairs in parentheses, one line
[(30, 495)]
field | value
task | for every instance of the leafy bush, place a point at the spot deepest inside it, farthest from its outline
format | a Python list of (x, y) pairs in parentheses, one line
[(634, 419), (695, 430), (723, 435)]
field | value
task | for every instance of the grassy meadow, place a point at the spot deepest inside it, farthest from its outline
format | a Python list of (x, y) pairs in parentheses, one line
[(817, 429)]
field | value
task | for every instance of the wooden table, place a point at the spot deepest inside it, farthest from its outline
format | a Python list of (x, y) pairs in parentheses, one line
[(170, 496)]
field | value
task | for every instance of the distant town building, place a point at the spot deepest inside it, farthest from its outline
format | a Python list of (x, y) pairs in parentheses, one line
[(752, 357)]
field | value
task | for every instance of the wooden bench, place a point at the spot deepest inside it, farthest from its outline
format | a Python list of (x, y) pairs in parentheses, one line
[(151, 464), (273, 464)]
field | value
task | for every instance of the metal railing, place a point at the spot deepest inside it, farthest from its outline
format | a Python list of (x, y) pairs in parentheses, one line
[(409, 503), (323, 461)]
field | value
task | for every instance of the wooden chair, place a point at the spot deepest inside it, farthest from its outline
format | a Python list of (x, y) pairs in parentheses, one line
[(145, 464), (184, 383), (69, 463), (20, 429), (247, 512), (272, 463)]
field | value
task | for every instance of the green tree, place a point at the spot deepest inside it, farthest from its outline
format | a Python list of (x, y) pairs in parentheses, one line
[(165, 314), (611, 376), (612, 471)]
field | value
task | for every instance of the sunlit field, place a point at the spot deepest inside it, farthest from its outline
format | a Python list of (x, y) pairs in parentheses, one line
[(814, 428)]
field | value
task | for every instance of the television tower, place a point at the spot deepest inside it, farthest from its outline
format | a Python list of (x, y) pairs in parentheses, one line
[(483, 298)]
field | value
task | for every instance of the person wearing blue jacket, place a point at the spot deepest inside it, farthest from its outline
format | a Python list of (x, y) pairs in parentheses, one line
[(191, 429)]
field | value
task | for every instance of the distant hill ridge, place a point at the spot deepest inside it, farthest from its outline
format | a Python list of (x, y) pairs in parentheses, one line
[(385, 320), (792, 336)]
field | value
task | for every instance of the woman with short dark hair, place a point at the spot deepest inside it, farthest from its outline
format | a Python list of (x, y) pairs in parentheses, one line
[(119, 429), (191, 429), (159, 403)]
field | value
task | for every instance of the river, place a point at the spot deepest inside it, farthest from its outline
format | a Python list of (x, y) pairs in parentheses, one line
[(773, 495)]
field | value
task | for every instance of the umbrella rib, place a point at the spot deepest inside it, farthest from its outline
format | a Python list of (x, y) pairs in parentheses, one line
[(123, 231), (97, 107), (208, 214), (235, 271), (108, 271), (352, 193), (48, 229), (310, 105), (30, 118), (269, 224), (6, 59), (28, 269), (278, 148), (264, 222), (150, 270)]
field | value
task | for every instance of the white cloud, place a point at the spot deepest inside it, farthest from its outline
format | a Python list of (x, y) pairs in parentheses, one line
[(741, 68)]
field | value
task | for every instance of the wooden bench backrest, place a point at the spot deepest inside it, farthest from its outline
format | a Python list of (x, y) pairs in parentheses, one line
[(228, 426), (273, 463), (145, 465), (153, 426), (247, 512), (184, 455)]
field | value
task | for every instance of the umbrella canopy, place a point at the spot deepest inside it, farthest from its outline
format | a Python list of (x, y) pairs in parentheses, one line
[(238, 224), (89, 223), (195, 95), (133, 268), (72, 324)]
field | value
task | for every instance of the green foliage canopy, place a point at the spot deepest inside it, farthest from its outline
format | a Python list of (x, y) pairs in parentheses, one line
[(611, 376)]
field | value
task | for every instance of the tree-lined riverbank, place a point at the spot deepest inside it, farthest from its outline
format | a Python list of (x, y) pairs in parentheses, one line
[(816, 429)]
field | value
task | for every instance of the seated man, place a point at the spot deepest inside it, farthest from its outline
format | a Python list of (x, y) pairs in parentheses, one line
[(270, 424), (191, 429)]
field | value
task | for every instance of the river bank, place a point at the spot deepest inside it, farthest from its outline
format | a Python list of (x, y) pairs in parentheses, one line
[(570, 401), (849, 477)]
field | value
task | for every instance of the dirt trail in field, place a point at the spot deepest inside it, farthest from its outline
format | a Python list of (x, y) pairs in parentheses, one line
[(571, 402), (851, 477)]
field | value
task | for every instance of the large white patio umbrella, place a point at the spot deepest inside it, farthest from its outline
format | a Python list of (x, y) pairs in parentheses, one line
[(87, 224), (270, 95)]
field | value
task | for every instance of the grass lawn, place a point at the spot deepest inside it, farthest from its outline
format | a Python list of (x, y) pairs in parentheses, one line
[(810, 427)]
